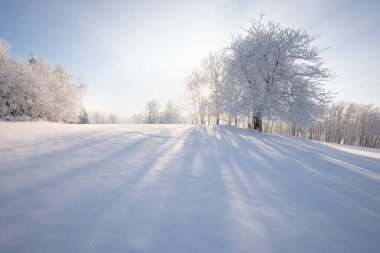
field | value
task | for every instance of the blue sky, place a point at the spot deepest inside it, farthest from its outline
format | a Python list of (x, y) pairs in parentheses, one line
[(132, 51)]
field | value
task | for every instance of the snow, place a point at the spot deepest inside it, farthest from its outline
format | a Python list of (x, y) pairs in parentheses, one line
[(370, 152), (15, 118), (179, 188)]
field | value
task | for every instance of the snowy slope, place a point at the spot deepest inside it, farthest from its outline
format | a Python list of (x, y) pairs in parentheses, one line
[(144, 188)]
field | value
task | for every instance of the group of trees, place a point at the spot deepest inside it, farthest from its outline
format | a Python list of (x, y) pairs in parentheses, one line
[(342, 123), (99, 118), (32, 88), (268, 71), (205, 89), (271, 78), (171, 114), (348, 123)]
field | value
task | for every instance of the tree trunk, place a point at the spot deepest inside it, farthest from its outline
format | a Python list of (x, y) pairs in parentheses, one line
[(293, 129), (217, 120), (257, 123), (236, 121)]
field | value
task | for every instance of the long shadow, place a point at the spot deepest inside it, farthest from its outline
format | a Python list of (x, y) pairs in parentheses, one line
[(194, 211), (74, 144), (211, 190), (303, 144), (85, 193), (136, 208), (294, 182), (303, 159), (63, 162)]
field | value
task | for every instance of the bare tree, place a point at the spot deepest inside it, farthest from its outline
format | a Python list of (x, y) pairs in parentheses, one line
[(97, 118), (171, 114), (342, 123), (112, 118), (137, 119), (152, 115)]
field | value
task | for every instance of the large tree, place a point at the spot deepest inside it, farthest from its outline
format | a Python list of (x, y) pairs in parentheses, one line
[(279, 70)]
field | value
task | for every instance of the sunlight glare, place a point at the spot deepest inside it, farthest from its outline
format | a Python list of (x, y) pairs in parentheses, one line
[(205, 92)]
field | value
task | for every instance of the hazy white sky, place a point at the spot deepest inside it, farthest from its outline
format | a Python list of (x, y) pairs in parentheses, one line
[(132, 51)]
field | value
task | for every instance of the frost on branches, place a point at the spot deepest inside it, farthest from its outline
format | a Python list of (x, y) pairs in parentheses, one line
[(277, 72), (204, 87), (32, 88)]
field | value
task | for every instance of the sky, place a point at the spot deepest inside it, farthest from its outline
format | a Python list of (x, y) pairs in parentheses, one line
[(130, 52)]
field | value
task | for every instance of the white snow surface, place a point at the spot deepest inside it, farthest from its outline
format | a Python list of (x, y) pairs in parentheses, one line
[(178, 188)]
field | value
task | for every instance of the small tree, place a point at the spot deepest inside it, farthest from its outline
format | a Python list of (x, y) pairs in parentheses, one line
[(83, 119)]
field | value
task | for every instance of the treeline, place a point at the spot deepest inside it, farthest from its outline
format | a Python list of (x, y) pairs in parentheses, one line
[(349, 123), (99, 118), (31, 87), (342, 123), (152, 114)]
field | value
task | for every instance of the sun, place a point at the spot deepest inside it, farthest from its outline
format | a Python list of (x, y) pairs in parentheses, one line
[(205, 91)]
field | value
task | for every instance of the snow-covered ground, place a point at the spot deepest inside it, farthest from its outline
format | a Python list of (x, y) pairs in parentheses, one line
[(144, 188)]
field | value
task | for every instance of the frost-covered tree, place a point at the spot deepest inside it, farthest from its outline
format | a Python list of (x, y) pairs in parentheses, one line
[(279, 70), (32, 88), (7, 69), (201, 97), (204, 88), (235, 99), (214, 73)]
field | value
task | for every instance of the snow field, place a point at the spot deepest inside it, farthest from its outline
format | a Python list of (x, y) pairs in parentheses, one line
[(178, 188)]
